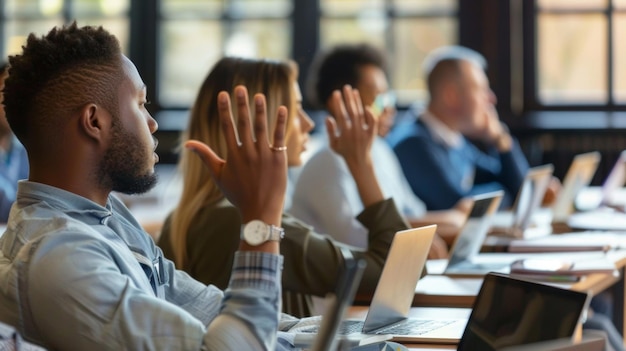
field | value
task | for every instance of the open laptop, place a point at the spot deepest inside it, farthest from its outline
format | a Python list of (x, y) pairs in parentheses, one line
[(471, 237), (391, 303), (522, 221), (327, 338), (603, 209), (614, 182), (510, 311), (578, 176), (610, 194)]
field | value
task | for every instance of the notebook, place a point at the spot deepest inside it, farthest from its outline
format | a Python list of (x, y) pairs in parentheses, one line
[(510, 311), (521, 222), (391, 303), (471, 237), (578, 176)]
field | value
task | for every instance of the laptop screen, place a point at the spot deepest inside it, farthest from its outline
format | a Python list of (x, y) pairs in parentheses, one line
[(530, 195), (510, 312), (470, 239), (578, 176)]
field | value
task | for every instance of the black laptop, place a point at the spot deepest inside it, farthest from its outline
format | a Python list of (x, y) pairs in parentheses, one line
[(510, 311)]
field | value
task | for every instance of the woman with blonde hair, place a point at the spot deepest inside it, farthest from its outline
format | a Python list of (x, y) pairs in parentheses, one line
[(194, 233)]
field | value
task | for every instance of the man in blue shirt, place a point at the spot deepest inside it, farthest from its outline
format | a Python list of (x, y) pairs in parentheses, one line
[(438, 159), (77, 272), (13, 159)]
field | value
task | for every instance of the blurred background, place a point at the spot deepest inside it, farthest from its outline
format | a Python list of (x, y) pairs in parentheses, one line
[(558, 67)]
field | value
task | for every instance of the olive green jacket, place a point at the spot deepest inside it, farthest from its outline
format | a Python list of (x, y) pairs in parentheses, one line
[(312, 261)]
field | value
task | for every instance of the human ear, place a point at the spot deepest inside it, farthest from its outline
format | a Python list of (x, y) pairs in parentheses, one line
[(94, 121), (450, 94)]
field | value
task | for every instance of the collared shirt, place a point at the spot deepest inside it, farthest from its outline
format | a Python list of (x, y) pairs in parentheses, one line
[(441, 132), (13, 167), (456, 144), (78, 276), (326, 195), (10, 340)]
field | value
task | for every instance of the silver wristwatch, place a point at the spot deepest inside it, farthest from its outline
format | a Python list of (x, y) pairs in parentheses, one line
[(257, 232)]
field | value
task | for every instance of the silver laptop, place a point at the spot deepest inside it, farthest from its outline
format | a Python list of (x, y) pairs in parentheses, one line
[(522, 222), (471, 237), (510, 311), (578, 176), (610, 194), (388, 314)]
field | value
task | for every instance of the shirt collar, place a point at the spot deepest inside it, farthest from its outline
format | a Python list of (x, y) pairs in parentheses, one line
[(74, 205), (441, 132)]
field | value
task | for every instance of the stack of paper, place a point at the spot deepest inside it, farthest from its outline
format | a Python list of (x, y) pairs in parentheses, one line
[(584, 241), (556, 269)]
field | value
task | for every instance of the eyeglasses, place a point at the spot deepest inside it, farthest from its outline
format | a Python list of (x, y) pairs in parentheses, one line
[(384, 100)]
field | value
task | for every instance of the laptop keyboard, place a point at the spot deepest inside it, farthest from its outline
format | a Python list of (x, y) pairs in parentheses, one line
[(414, 327), (350, 327), (406, 327)]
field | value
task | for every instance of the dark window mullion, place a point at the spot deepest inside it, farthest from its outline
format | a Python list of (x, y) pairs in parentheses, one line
[(610, 49)]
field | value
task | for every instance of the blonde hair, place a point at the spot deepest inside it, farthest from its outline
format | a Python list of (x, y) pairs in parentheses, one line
[(274, 79)]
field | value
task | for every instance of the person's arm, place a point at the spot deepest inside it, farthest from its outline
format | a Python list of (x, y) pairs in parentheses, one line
[(254, 180), (326, 197), (507, 164), (315, 260), (255, 177)]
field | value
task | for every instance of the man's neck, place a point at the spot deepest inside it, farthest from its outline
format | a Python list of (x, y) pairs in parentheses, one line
[(444, 116)]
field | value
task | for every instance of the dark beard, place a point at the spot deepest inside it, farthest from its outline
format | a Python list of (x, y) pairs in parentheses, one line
[(121, 168)]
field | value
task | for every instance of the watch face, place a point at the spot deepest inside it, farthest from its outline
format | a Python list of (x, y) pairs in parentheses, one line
[(256, 232)]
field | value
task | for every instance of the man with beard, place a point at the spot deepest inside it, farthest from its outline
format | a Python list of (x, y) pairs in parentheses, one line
[(77, 272)]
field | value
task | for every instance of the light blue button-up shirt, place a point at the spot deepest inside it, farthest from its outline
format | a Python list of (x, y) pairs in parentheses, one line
[(13, 167), (78, 276)]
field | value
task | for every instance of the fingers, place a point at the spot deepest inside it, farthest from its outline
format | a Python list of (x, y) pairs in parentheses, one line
[(354, 113), (210, 158), (226, 120), (243, 116), (243, 136), (338, 111), (331, 129), (260, 119), (280, 129)]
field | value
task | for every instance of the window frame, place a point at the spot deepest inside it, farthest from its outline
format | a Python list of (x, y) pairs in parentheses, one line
[(532, 102)]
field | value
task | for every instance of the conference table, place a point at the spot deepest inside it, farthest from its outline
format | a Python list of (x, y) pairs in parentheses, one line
[(436, 290)]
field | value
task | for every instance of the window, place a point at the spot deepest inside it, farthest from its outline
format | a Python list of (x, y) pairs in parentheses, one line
[(196, 33), (176, 42), (580, 56), (406, 30), (21, 17)]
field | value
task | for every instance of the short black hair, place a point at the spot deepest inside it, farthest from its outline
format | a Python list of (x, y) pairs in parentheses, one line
[(58, 73), (340, 65)]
